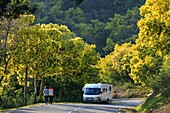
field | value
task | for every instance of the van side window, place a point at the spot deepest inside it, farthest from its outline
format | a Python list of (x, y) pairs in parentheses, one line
[(110, 88), (106, 89)]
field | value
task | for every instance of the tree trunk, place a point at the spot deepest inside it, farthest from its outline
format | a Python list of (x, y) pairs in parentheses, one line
[(35, 89), (41, 88), (5, 50), (35, 84), (25, 86)]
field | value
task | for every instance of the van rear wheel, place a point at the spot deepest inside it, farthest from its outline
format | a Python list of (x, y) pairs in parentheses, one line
[(108, 101)]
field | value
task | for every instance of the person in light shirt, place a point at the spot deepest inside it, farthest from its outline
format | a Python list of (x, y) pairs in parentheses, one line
[(51, 94)]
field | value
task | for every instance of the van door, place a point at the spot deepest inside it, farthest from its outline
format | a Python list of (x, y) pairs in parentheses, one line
[(110, 93), (104, 94)]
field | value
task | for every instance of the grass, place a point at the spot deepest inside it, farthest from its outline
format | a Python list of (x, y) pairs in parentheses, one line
[(152, 102)]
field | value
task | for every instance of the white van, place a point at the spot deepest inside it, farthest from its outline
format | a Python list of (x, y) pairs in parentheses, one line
[(97, 93)]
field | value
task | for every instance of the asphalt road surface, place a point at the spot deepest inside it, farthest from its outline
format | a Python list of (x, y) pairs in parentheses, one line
[(115, 106)]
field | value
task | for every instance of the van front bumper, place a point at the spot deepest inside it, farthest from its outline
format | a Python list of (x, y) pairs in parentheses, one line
[(91, 99)]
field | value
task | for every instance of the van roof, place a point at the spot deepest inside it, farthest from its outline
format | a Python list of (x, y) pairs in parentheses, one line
[(98, 85)]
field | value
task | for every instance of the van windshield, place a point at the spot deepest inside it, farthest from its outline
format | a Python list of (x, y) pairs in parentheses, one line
[(92, 91)]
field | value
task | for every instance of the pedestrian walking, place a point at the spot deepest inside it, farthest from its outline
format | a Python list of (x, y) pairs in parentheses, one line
[(46, 94), (51, 94)]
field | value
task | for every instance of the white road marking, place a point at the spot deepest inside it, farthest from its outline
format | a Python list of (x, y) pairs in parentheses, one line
[(76, 109)]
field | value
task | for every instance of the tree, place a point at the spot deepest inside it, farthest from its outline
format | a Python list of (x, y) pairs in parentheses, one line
[(122, 29), (121, 6), (37, 48), (93, 33), (162, 82), (12, 9), (153, 42), (10, 69), (7, 29), (78, 2), (93, 14), (78, 61), (115, 67), (48, 12)]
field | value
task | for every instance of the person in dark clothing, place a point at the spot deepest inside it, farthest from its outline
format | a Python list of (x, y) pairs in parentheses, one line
[(46, 94)]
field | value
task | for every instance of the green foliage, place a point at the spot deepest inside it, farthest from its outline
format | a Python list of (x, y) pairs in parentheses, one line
[(88, 20), (153, 42), (74, 15), (93, 33), (11, 93), (122, 29), (7, 30), (115, 67), (163, 81), (48, 12), (152, 102), (49, 50), (150, 63), (78, 68), (67, 62), (69, 94), (78, 2), (40, 44), (104, 9), (12, 9)]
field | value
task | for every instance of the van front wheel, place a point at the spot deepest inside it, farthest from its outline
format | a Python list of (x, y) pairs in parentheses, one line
[(99, 101)]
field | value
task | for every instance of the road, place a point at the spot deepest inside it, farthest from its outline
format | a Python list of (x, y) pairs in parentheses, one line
[(115, 106)]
